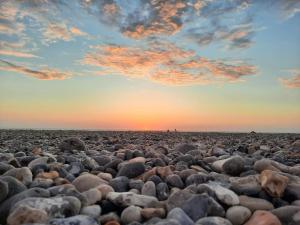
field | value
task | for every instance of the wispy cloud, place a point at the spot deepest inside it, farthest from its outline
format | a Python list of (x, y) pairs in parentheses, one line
[(293, 81), (166, 63), (43, 74)]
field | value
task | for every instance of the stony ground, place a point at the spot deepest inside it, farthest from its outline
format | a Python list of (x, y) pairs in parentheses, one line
[(111, 178)]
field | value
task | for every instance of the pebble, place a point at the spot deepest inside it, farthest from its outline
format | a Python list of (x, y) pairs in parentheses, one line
[(131, 214), (87, 181), (78, 220), (151, 178), (129, 198), (26, 214), (149, 189), (92, 211), (238, 215), (132, 170), (55, 207), (179, 215), (261, 217), (273, 183), (213, 220), (255, 203)]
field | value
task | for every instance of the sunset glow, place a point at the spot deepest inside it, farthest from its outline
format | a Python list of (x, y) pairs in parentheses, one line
[(191, 65)]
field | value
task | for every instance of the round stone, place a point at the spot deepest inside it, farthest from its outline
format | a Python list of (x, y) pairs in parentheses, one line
[(238, 215), (131, 214), (87, 181), (26, 214), (149, 189), (132, 170)]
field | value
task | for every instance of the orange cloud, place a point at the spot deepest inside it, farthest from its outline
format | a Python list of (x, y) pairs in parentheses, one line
[(293, 81), (44, 74), (165, 19), (164, 63)]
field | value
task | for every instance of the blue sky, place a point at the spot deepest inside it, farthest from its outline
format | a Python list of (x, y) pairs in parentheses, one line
[(231, 65)]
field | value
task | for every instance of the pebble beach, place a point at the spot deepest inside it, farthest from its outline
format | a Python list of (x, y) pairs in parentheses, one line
[(152, 178)]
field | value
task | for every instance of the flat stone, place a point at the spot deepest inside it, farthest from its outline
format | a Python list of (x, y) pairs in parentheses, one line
[(255, 203), (78, 220), (225, 195), (238, 215), (248, 185), (55, 207), (129, 198), (213, 220)]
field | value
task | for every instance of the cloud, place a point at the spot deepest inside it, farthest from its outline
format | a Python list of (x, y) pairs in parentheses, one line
[(165, 63), (76, 31), (16, 49), (293, 81), (44, 74)]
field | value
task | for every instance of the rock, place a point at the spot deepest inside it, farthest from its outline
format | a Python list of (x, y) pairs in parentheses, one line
[(131, 214), (78, 220), (149, 189), (179, 215), (273, 183), (48, 175), (26, 214), (261, 217), (255, 203), (71, 144), (248, 185), (184, 148), (9, 203), (38, 161), (132, 170), (175, 181), (42, 183), (105, 189), (87, 181), (286, 213), (216, 151), (213, 220), (165, 171), (3, 190), (92, 211), (225, 195), (55, 207), (196, 179), (120, 184), (109, 217), (233, 166), (5, 167), (149, 213), (162, 191), (177, 199), (136, 184), (92, 195), (238, 215), (22, 174), (14, 186), (199, 206), (129, 198), (105, 176)]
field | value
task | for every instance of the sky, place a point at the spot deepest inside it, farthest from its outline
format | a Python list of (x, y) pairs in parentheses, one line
[(190, 65)]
